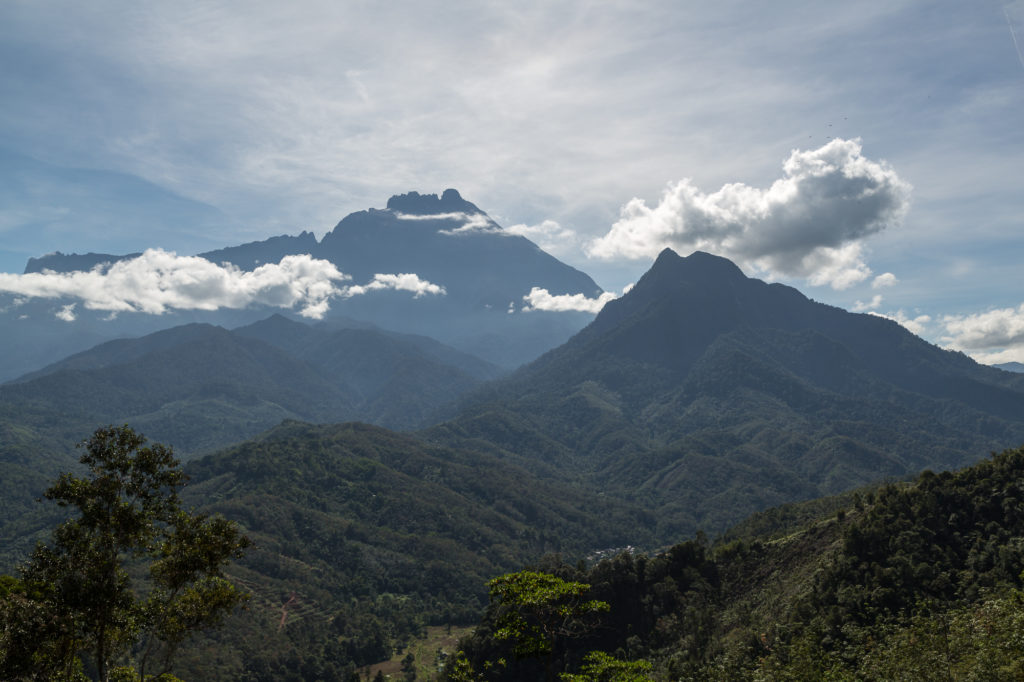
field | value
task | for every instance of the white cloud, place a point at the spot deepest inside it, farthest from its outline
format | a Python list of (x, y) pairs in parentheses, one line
[(548, 235), (159, 280), (988, 331), (915, 325), (991, 337), (861, 306), (67, 313), (401, 282), (471, 222), (542, 299), (886, 279), (810, 223)]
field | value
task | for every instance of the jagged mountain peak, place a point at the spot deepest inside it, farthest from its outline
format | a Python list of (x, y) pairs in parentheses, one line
[(414, 203), (694, 298), (699, 267)]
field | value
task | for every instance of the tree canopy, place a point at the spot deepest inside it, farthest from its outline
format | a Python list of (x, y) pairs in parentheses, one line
[(123, 581)]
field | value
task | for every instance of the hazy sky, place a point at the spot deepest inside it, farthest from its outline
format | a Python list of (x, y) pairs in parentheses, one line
[(869, 153)]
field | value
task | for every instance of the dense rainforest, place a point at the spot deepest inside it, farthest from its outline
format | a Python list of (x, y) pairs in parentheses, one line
[(915, 580)]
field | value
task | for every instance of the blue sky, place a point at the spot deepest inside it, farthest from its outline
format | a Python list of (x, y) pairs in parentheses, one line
[(743, 128)]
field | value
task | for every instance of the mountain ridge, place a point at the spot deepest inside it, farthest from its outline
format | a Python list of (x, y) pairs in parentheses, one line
[(485, 271), (701, 385)]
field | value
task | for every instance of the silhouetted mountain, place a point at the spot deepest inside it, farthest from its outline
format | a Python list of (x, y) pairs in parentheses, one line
[(254, 254), (1016, 367), (70, 262), (486, 273), (448, 241), (714, 394)]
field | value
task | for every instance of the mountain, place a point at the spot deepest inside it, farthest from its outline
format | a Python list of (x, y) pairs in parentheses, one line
[(199, 388), (71, 262), (1017, 367), (202, 387), (446, 240), (710, 395), (396, 380)]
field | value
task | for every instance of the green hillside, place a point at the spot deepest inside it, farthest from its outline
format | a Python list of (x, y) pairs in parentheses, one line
[(914, 581), (363, 537), (705, 396)]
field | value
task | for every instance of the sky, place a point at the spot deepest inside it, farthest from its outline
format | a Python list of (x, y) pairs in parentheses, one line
[(870, 153)]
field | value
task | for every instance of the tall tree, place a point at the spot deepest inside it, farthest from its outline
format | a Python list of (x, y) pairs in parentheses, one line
[(535, 610), (97, 598)]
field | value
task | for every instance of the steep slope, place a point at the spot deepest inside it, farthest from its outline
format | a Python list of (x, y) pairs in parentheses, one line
[(712, 395)]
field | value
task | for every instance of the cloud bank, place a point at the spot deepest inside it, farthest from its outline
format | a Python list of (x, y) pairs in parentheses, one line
[(548, 235), (993, 336), (810, 223), (400, 282), (542, 299), (160, 280)]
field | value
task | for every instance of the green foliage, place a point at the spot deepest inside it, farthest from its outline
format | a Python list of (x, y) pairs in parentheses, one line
[(913, 581), (82, 594), (600, 667), (534, 609)]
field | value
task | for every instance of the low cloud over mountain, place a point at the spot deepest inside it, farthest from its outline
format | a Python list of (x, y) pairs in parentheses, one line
[(810, 223), (159, 280), (542, 299)]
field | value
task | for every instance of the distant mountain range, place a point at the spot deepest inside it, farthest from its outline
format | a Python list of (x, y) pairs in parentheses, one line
[(485, 272)]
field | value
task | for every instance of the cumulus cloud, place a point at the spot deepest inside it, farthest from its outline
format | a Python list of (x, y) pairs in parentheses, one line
[(861, 306), (886, 279), (548, 235), (542, 299), (160, 280), (810, 223), (400, 282), (67, 313), (989, 331)]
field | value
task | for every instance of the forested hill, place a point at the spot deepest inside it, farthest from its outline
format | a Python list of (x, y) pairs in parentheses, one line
[(916, 581), (201, 387), (371, 536), (711, 395)]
